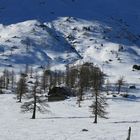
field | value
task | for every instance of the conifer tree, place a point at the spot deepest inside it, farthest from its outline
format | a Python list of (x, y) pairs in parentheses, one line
[(99, 104)]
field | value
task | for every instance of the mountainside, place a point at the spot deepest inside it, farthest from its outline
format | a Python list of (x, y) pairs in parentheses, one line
[(63, 31), (33, 43), (114, 48), (96, 46)]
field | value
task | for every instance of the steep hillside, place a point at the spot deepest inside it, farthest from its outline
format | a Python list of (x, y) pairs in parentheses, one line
[(105, 32), (33, 43), (112, 46)]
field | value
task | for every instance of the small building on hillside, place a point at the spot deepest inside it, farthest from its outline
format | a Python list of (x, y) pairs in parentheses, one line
[(60, 93)]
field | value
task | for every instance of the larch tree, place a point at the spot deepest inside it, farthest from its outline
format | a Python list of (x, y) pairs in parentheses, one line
[(68, 75), (44, 80), (21, 87), (36, 101), (120, 82), (84, 75), (99, 104), (1, 85), (12, 78), (6, 75), (107, 87)]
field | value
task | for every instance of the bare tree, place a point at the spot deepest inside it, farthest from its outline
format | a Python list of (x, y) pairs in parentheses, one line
[(1, 85), (85, 78), (73, 76), (12, 79), (21, 87), (26, 68), (107, 87), (81, 82), (31, 72), (44, 80), (120, 82), (6, 80), (68, 75), (37, 101)]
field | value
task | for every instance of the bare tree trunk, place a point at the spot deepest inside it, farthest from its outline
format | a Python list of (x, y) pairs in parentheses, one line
[(20, 94), (34, 108), (20, 97), (81, 93), (119, 89), (80, 96), (21, 90), (79, 102), (12, 79), (96, 107)]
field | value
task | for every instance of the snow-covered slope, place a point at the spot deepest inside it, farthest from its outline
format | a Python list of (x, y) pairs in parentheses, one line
[(104, 32), (40, 32), (66, 121), (111, 46), (33, 43)]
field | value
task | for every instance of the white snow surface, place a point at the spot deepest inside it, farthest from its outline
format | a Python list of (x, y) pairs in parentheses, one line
[(30, 43), (112, 47), (39, 32), (101, 45), (66, 120)]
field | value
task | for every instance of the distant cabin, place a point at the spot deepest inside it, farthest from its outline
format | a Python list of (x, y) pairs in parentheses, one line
[(60, 93)]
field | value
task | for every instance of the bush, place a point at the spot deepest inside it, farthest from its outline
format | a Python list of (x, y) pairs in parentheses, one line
[(132, 87), (114, 95), (125, 95), (136, 67)]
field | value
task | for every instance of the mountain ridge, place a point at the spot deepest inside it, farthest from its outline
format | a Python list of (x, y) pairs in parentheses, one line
[(46, 10)]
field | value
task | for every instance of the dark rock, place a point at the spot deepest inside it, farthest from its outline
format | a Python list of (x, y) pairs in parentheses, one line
[(124, 95), (9, 65), (132, 87), (24, 75), (110, 60), (121, 48), (114, 95), (86, 28), (14, 47), (84, 130), (136, 67), (30, 82)]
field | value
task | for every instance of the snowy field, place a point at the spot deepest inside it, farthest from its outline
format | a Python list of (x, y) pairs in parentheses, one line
[(66, 120), (58, 32)]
